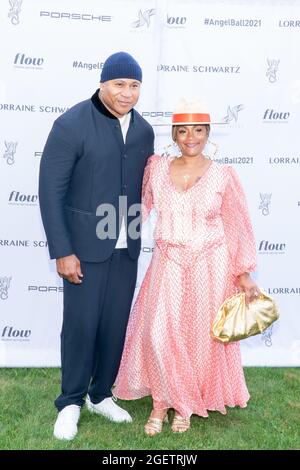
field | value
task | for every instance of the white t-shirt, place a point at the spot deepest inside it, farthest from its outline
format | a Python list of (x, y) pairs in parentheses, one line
[(124, 123)]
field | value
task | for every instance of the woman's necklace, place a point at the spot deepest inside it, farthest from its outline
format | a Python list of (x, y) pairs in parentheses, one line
[(186, 177)]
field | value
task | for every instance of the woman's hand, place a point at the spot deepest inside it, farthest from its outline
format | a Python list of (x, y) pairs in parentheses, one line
[(247, 285)]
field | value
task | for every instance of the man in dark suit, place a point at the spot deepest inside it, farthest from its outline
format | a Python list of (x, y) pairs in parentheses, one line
[(92, 162)]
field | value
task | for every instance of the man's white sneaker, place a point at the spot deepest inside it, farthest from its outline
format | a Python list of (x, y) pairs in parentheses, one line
[(109, 409), (66, 423)]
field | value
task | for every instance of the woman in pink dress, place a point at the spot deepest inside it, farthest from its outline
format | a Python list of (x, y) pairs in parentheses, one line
[(204, 252)]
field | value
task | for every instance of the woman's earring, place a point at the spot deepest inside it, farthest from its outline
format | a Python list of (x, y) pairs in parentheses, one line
[(216, 148), (166, 152), (177, 148)]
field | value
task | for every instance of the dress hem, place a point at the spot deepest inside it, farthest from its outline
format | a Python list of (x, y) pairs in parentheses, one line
[(205, 414)]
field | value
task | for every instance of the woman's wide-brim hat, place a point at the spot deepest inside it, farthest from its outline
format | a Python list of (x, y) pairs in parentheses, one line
[(191, 112)]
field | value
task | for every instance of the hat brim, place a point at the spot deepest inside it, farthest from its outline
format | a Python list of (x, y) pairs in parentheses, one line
[(188, 123)]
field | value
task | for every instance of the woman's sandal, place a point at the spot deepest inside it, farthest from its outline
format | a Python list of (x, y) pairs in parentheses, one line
[(180, 424), (154, 425)]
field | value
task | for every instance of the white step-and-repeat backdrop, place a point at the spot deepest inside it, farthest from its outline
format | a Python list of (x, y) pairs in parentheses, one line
[(241, 57)]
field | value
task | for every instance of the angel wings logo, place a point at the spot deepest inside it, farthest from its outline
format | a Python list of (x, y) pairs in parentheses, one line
[(144, 18), (233, 113)]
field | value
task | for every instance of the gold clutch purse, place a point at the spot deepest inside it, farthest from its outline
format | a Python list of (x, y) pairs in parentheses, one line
[(235, 321)]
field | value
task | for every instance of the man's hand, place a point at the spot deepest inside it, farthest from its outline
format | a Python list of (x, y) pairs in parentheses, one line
[(69, 268)]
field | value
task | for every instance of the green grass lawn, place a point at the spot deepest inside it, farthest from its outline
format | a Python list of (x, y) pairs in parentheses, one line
[(271, 420)]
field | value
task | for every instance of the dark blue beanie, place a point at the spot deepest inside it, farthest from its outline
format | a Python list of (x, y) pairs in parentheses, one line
[(121, 65)]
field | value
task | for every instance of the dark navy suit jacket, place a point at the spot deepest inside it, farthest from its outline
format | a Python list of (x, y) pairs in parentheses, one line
[(85, 163)]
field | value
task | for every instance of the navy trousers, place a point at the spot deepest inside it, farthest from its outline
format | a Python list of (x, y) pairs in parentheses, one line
[(94, 325)]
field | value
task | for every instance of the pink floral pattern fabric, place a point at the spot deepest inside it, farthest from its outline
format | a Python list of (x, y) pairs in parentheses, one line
[(204, 239)]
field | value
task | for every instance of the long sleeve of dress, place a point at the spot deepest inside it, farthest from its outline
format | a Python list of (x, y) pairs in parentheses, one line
[(237, 226), (147, 194)]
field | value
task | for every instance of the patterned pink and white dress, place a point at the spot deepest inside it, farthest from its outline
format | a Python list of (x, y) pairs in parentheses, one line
[(204, 239)]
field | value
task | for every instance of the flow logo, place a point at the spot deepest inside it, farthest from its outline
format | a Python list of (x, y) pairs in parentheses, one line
[(11, 333), (16, 197), (23, 61), (270, 115), (267, 247)]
